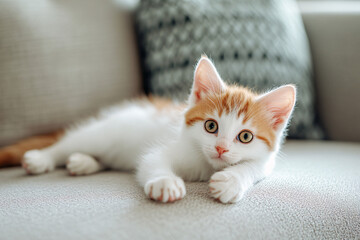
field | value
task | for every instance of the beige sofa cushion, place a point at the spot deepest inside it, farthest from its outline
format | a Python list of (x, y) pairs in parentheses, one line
[(334, 34), (313, 194), (60, 61)]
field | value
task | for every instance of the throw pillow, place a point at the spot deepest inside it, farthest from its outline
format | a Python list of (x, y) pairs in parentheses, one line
[(256, 43)]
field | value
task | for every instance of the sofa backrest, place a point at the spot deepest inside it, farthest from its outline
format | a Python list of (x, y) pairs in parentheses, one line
[(61, 61), (334, 33)]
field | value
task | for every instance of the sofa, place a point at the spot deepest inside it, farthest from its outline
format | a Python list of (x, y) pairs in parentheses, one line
[(313, 193)]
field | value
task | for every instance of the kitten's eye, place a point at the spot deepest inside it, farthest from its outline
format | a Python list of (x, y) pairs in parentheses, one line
[(211, 126), (245, 136)]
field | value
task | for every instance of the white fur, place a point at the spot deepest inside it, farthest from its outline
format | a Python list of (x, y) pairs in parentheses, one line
[(163, 150), (82, 164)]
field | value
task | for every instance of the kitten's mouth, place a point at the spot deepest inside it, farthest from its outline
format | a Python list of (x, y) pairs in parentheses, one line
[(218, 157), (222, 159)]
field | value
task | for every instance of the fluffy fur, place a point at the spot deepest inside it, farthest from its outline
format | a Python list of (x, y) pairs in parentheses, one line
[(168, 144)]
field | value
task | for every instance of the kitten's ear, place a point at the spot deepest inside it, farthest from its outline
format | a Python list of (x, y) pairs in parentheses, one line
[(280, 103), (206, 80)]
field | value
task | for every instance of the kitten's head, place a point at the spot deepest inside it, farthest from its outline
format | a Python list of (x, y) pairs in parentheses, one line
[(231, 124)]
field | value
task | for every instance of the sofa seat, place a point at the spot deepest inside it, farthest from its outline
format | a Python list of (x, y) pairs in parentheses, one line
[(314, 193)]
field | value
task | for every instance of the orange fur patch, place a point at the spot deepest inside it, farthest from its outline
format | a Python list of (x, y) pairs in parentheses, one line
[(160, 103), (12, 155), (163, 104), (239, 100)]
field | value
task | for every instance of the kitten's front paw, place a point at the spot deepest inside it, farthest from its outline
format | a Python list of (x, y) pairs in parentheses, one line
[(36, 162), (226, 187), (165, 189)]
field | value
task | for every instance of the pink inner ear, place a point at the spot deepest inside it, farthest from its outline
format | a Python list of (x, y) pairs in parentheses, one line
[(206, 79), (280, 102)]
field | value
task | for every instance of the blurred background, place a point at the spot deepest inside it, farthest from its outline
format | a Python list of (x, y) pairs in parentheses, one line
[(61, 61)]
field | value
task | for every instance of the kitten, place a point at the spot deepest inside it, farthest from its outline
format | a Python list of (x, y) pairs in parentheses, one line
[(225, 134)]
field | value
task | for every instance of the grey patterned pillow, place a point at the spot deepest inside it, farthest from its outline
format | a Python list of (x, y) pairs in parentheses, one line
[(256, 43)]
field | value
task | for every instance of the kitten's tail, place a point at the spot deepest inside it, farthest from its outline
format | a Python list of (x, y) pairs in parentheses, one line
[(12, 155)]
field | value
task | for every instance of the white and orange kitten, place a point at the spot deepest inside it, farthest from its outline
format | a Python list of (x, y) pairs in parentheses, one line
[(225, 134)]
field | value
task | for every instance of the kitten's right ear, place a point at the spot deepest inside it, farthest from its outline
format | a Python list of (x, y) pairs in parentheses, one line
[(206, 80)]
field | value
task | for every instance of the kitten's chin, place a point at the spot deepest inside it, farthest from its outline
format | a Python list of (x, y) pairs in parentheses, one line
[(221, 163), (217, 164)]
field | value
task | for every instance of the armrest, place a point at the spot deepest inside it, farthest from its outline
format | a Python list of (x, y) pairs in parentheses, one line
[(333, 29)]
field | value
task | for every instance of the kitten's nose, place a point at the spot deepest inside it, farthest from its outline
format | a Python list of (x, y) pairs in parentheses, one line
[(221, 150)]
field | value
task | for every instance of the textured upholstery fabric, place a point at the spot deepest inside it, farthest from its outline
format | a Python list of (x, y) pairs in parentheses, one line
[(334, 34), (256, 43), (314, 193), (60, 61)]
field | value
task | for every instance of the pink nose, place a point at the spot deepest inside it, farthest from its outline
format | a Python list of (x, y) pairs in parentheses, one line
[(221, 150)]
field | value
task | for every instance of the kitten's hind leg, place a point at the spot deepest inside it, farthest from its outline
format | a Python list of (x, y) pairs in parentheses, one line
[(37, 161), (82, 139), (82, 164), (46, 160)]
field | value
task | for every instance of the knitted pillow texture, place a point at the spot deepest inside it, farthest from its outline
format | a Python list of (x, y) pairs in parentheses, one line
[(260, 44)]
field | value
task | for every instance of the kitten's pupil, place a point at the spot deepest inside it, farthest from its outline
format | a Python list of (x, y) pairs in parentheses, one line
[(246, 136), (212, 125)]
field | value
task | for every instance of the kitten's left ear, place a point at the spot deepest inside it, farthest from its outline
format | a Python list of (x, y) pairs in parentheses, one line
[(280, 103), (206, 80)]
